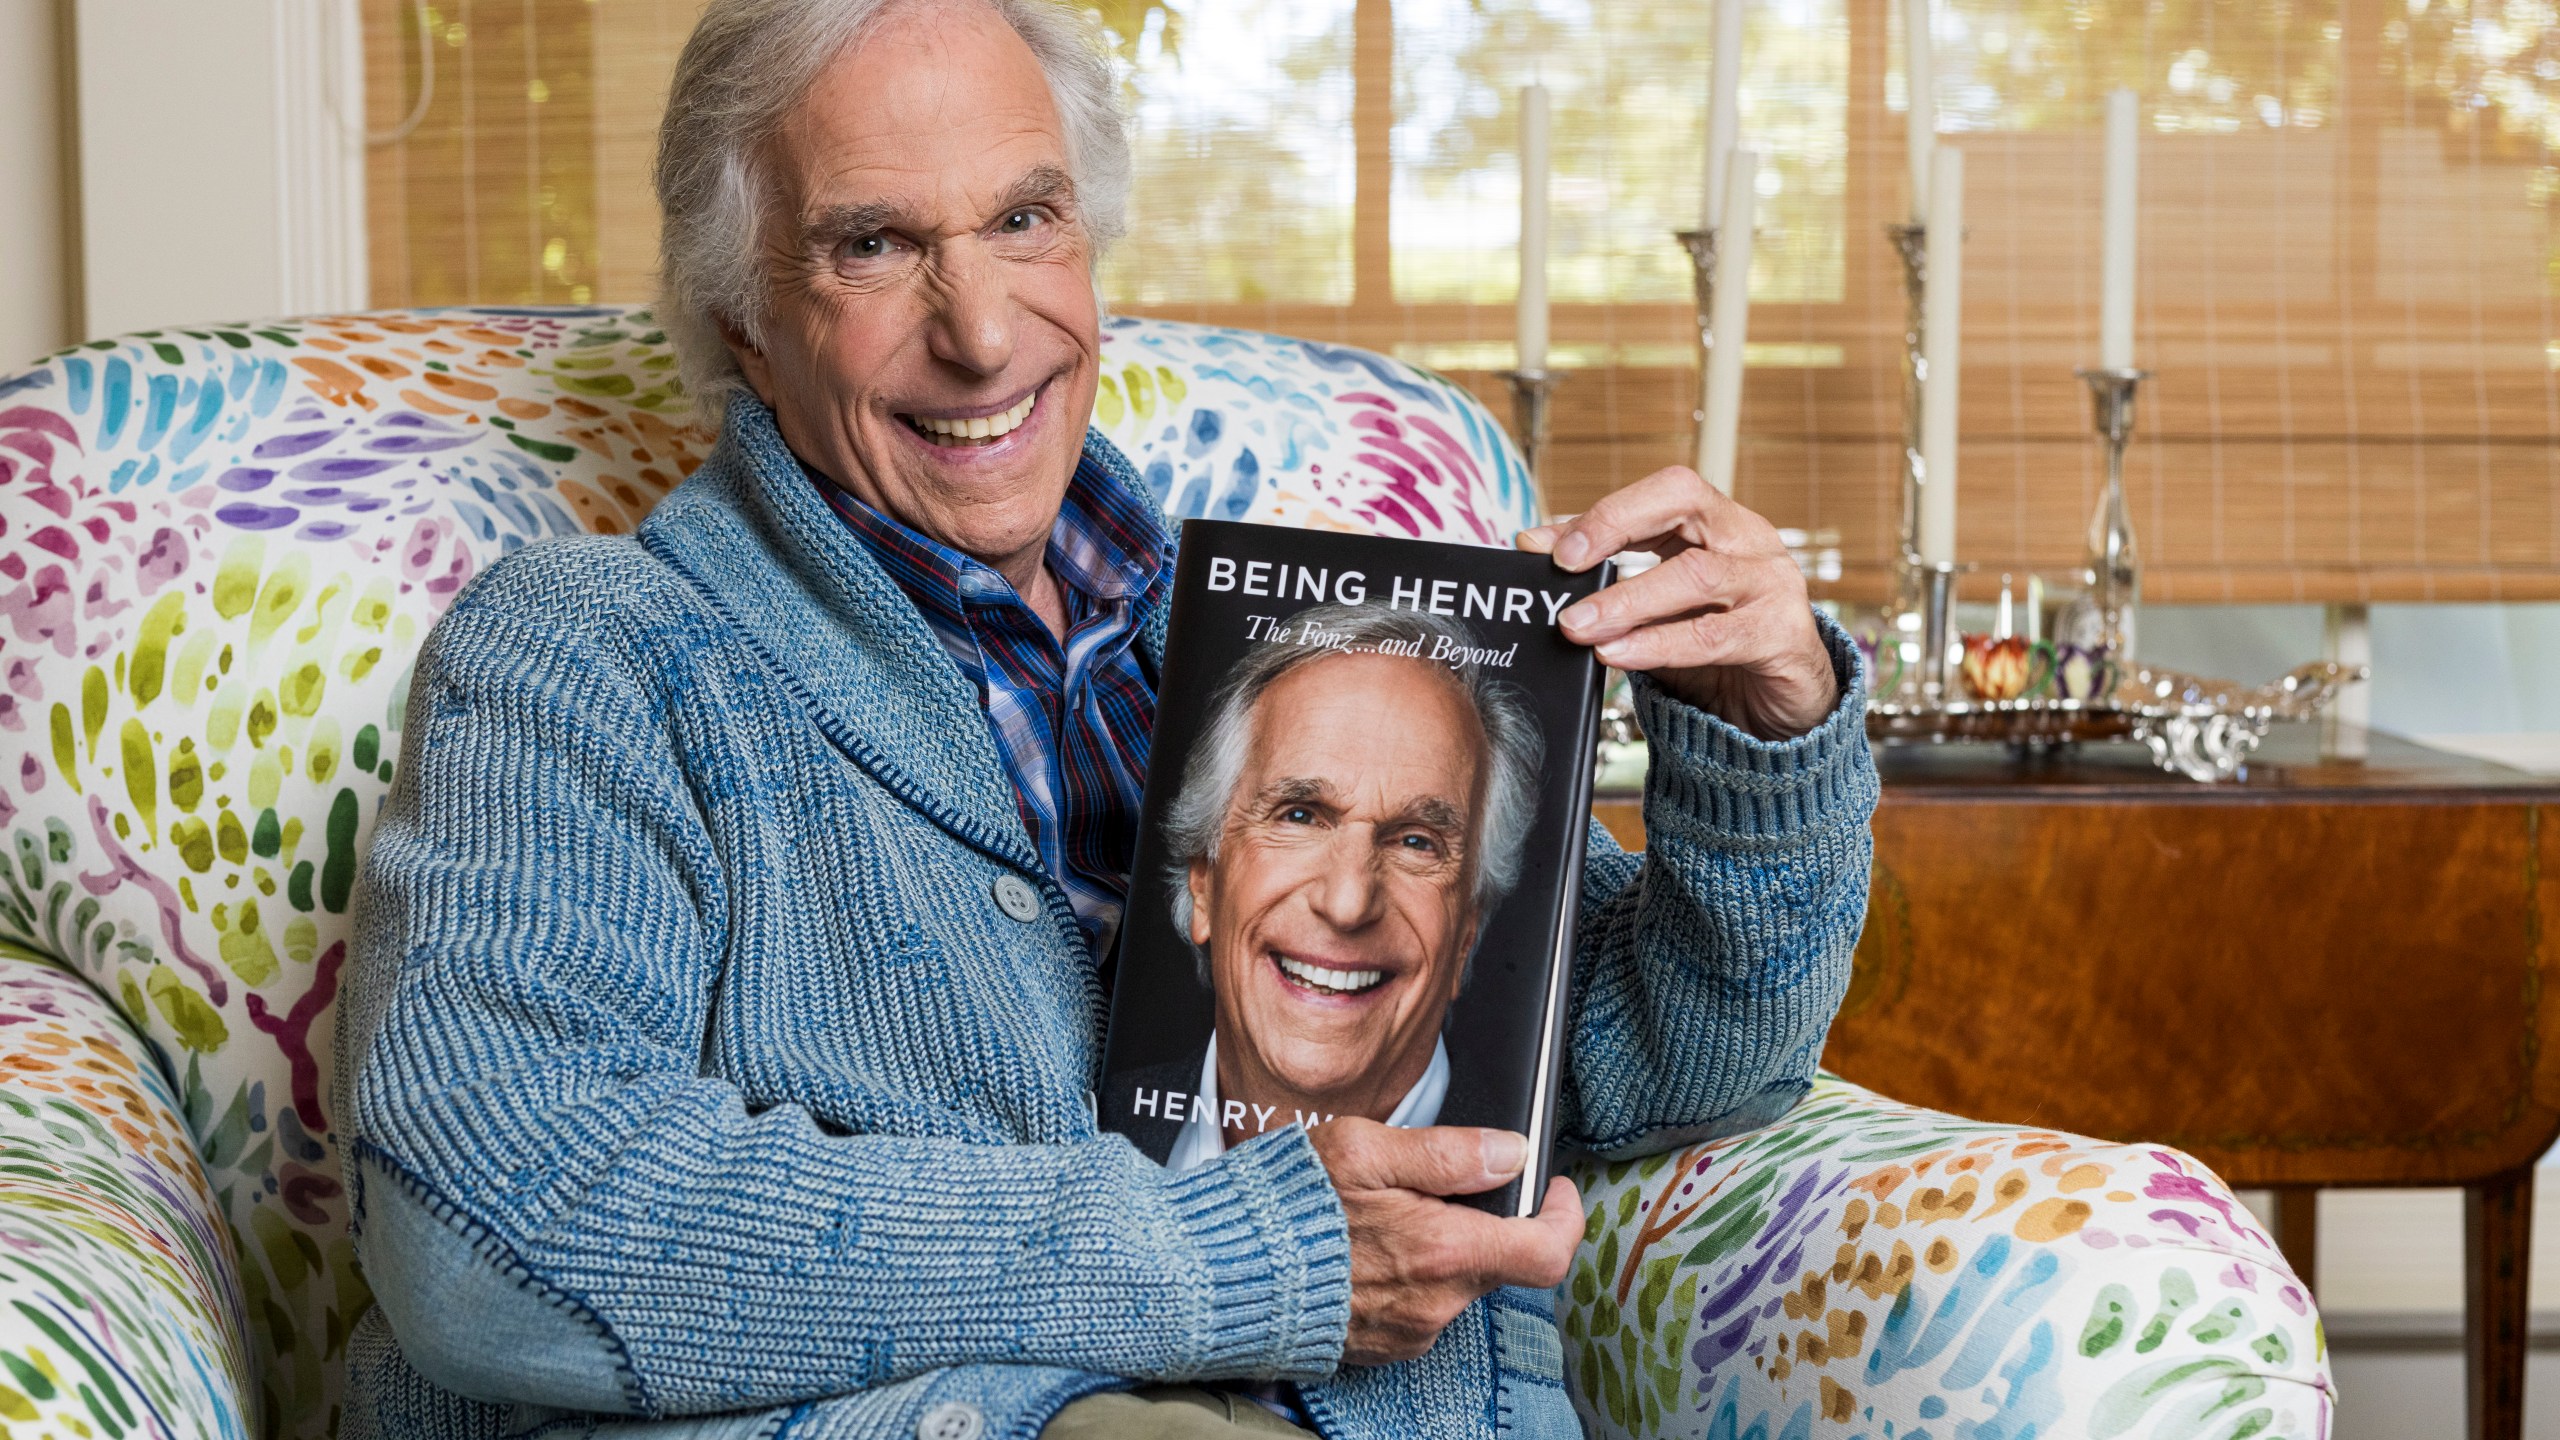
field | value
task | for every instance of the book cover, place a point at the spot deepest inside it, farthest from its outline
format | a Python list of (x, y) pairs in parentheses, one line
[(1361, 845)]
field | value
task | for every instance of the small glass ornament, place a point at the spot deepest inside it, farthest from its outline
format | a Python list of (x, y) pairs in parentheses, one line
[(2081, 672), (1882, 649)]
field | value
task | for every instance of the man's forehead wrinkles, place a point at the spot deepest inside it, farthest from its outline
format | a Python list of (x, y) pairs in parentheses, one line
[(872, 140), (888, 141)]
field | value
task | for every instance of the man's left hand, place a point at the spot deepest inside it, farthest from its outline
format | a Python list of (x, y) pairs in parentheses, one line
[(1722, 623)]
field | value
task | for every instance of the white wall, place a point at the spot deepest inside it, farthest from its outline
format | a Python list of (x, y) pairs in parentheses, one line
[(2484, 679), (36, 291), (215, 164), (178, 184)]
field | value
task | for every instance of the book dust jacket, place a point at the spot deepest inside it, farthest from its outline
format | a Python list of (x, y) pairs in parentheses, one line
[(1361, 845)]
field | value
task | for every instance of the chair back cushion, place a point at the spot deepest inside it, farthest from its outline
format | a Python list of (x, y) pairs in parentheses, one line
[(220, 547)]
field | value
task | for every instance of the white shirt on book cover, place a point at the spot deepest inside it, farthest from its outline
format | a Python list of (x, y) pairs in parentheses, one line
[(1203, 1139)]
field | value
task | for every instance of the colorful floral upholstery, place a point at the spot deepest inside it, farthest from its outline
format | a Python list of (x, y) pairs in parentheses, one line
[(219, 549), (123, 1312)]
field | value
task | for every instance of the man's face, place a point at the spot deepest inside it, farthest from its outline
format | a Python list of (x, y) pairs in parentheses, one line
[(1340, 910), (927, 270)]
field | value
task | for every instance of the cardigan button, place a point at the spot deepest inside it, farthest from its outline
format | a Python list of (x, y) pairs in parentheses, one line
[(1015, 897), (952, 1419)]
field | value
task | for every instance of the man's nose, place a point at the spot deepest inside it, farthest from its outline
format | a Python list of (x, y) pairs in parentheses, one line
[(1350, 892), (973, 321)]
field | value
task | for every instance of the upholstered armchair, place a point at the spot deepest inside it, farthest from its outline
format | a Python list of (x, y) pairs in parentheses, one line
[(219, 549)]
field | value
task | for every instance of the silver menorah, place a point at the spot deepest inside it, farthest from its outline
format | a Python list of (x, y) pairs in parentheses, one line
[(2115, 562)]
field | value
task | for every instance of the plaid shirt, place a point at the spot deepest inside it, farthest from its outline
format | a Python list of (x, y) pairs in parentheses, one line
[(1071, 722)]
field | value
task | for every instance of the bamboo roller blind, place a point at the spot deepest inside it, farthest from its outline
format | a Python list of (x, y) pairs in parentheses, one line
[(2347, 270)]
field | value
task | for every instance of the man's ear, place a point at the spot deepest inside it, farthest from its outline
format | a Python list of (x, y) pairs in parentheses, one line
[(752, 364), (1204, 887)]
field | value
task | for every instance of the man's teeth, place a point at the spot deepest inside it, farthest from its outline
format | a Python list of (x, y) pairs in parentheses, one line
[(984, 427), (1345, 982)]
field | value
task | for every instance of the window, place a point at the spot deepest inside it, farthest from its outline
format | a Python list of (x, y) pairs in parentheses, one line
[(2347, 267)]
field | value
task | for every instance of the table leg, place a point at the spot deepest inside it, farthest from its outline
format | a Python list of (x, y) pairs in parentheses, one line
[(2297, 1227), (2497, 1235)]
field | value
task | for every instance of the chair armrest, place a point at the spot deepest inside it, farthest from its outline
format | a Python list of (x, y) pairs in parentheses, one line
[(1863, 1262), (120, 1299)]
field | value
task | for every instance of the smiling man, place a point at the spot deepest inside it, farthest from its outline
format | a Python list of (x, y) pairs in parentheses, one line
[(1346, 823), (716, 1044)]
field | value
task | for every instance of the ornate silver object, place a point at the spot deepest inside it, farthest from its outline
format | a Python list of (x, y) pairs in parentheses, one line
[(1529, 391), (2202, 729), (1911, 242), (1936, 671), (2115, 562)]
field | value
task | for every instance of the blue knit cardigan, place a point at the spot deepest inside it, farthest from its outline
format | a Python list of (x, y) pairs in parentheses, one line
[(696, 1075)]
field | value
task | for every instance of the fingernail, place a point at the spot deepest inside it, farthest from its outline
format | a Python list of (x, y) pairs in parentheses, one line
[(1611, 653), (1504, 1152), (1579, 616), (1573, 550)]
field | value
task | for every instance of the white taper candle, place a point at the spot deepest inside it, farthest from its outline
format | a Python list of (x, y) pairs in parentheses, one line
[(1724, 110), (1941, 327), (1720, 436), (1532, 324), (2123, 215), (1918, 73)]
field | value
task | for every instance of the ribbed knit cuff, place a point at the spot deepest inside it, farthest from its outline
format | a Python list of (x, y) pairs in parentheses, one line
[(1732, 784), (1265, 1219)]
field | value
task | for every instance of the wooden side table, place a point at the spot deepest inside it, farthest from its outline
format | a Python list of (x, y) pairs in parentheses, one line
[(2333, 972)]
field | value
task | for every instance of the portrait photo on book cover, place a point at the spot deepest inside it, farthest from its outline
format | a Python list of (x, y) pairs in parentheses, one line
[(1339, 909)]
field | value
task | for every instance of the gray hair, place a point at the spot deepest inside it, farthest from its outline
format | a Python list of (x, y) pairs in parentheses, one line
[(1514, 748), (748, 65)]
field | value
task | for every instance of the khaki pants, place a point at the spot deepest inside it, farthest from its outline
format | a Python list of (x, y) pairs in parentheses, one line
[(1166, 1412)]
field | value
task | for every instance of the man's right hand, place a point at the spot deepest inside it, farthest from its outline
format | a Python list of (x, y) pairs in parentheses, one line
[(1416, 1259)]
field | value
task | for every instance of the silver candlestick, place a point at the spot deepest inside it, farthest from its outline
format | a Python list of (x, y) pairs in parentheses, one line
[(1937, 627), (1529, 391), (2115, 563), (1911, 589), (1701, 245)]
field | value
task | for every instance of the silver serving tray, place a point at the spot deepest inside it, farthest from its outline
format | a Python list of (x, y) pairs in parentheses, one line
[(2200, 728)]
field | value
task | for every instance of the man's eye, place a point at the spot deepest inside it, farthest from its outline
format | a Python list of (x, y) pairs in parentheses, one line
[(1417, 844), (1020, 221), (1297, 815), (866, 247)]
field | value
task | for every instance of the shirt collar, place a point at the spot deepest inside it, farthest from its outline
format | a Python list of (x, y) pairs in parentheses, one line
[(1107, 545), (1203, 1139)]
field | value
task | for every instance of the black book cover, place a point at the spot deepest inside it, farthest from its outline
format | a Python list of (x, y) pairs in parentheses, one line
[(1361, 846)]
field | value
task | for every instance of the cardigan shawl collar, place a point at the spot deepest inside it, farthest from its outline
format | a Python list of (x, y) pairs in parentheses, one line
[(750, 533)]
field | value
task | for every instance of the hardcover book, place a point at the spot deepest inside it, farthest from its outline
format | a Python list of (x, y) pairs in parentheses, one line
[(1360, 848)]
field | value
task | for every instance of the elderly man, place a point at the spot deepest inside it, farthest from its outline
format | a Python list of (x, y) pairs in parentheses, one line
[(1346, 821), (725, 1005)]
